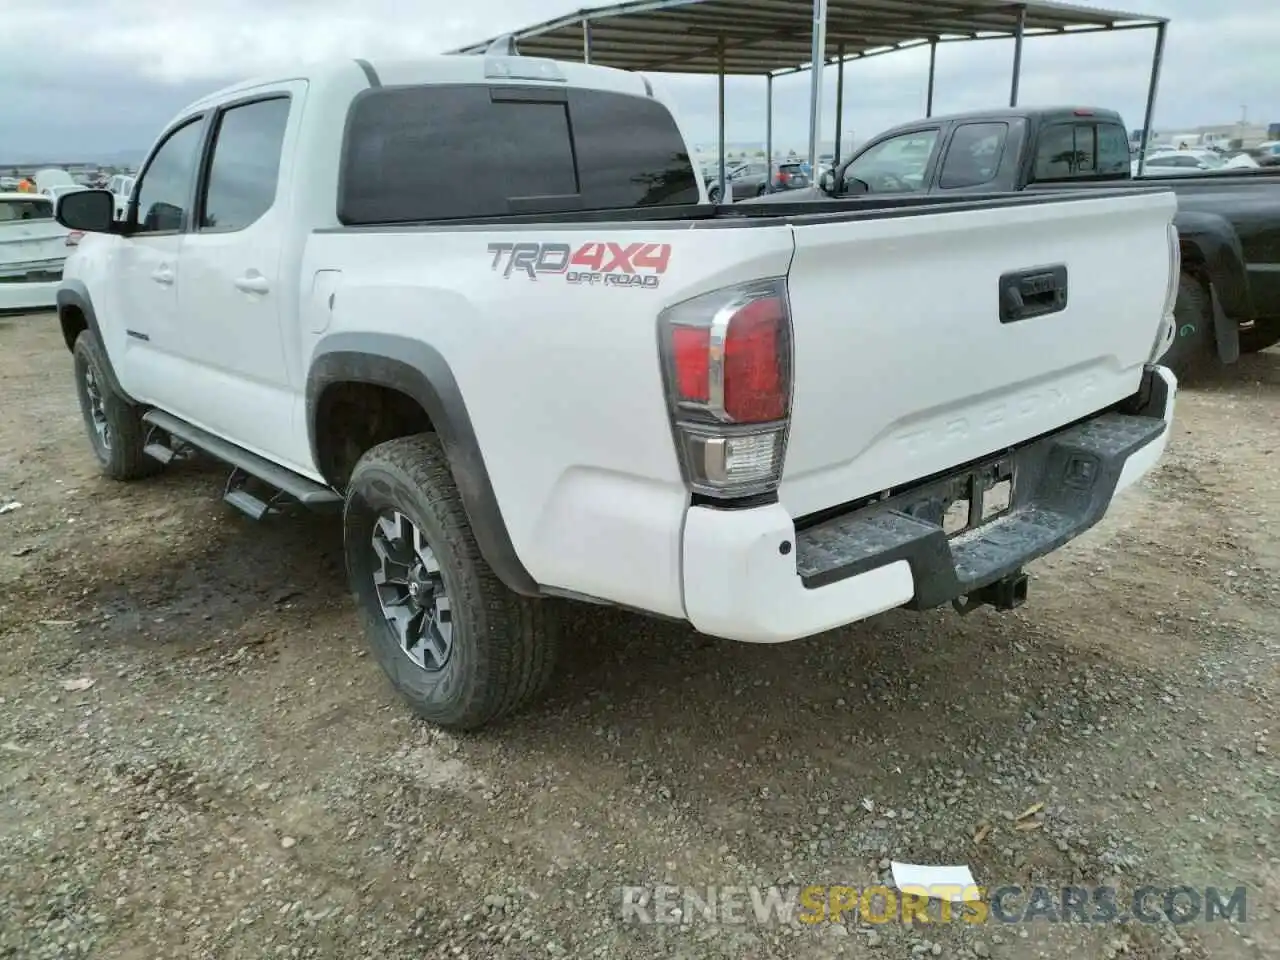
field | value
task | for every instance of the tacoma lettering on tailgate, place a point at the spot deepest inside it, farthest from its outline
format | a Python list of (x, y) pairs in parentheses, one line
[(599, 262)]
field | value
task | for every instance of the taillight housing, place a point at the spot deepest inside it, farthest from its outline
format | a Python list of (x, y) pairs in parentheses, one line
[(1168, 325), (74, 237), (727, 367)]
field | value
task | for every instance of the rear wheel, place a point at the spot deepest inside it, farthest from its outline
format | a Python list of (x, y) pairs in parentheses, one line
[(1194, 343), (116, 431), (455, 642)]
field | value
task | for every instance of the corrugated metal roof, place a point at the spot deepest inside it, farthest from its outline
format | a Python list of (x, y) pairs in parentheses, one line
[(771, 36)]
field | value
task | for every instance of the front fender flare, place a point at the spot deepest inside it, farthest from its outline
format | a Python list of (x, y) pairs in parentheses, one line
[(417, 370), (73, 295)]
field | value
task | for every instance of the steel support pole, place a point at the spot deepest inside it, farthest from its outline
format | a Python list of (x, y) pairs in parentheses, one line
[(835, 154), (586, 40), (933, 72), (724, 184), (1017, 55), (818, 56), (768, 119), (1157, 61)]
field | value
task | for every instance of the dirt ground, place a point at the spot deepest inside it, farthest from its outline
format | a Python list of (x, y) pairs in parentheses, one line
[(240, 782)]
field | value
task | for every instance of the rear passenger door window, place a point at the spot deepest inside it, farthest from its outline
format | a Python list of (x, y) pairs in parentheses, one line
[(244, 168), (974, 156)]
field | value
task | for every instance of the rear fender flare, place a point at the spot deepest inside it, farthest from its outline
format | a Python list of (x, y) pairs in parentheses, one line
[(417, 370), (1218, 245)]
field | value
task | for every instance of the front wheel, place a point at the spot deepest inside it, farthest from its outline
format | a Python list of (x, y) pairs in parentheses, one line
[(462, 648), (115, 427)]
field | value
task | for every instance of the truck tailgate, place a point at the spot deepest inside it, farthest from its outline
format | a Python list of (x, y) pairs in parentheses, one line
[(904, 365)]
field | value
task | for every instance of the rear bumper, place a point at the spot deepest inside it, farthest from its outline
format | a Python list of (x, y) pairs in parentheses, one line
[(19, 297), (750, 575)]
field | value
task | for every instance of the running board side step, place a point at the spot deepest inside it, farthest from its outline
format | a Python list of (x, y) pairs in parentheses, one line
[(245, 466)]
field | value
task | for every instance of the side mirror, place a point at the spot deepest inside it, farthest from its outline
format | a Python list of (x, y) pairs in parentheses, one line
[(827, 183), (92, 211)]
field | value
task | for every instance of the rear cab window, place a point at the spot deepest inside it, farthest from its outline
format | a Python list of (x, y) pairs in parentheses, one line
[(1069, 150), (418, 153), (20, 210)]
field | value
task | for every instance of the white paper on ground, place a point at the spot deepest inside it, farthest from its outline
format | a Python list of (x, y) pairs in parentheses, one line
[(917, 875)]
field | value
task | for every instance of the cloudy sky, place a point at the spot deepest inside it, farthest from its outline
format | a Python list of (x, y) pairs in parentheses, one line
[(89, 78)]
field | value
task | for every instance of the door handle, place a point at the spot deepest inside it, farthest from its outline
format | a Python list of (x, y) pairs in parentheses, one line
[(252, 283), (163, 275), (1033, 293)]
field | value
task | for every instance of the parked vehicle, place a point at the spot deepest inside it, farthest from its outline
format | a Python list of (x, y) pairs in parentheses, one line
[(789, 176), (52, 177), (756, 178), (33, 247), (121, 187), (1177, 162), (1228, 220), (577, 378)]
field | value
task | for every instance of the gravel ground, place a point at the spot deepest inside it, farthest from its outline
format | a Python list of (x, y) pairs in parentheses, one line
[(198, 759)]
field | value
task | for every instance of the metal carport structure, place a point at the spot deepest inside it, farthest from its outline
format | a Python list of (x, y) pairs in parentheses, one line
[(773, 38)]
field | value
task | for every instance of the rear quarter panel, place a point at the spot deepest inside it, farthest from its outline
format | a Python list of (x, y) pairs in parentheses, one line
[(562, 381)]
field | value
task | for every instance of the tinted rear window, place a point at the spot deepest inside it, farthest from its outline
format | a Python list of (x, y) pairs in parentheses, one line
[(33, 209), (1081, 149), (448, 152)]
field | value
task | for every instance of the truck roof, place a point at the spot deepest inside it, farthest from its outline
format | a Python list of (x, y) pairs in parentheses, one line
[(1010, 113), (443, 68)]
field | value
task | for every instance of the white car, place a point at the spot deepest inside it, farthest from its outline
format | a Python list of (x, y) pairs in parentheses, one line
[(33, 247), (121, 187), (1165, 163), (577, 379)]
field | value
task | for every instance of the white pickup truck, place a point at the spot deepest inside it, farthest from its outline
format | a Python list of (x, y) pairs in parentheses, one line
[(571, 376)]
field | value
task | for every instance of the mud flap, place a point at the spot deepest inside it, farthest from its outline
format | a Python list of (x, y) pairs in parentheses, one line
[(1226, 332)]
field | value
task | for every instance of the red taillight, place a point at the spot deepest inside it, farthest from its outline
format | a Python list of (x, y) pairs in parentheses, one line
[(73, 238), (1082, 112), (690, 348), (754, 385), (727, 358)]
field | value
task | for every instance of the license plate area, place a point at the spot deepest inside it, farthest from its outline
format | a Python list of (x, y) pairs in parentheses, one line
[(966, 501)]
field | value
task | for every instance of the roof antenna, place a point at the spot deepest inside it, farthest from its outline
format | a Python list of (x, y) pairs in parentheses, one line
[(503, 46)]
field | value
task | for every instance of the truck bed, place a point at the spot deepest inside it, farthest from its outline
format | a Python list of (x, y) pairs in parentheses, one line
[(749, 213)]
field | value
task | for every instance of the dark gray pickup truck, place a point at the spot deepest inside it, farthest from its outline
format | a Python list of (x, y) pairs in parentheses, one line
[(1228, 221)]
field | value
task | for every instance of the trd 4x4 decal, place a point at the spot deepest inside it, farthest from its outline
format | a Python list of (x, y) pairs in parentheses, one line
[(600, 262)]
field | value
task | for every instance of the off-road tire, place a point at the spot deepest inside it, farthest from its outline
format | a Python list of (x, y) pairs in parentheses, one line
[(1194, 343), (503, 644), (119, 449)]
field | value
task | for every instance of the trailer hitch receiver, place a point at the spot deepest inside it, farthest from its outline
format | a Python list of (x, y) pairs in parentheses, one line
[(1007, 593)]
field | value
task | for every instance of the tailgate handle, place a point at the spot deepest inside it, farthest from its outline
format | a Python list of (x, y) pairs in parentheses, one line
[(1033, 293)]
